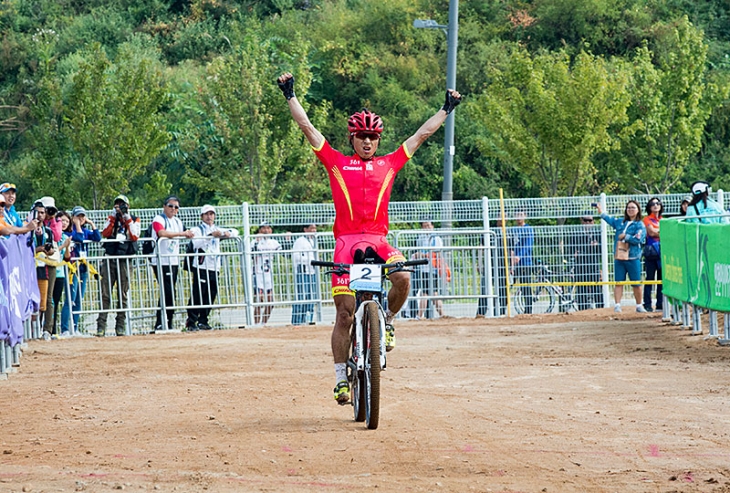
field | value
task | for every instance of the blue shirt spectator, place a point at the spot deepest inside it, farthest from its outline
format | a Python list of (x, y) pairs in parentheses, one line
[(83, 230), (634, 231)]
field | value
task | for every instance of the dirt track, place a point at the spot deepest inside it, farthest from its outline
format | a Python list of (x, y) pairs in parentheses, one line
[(572, 403)]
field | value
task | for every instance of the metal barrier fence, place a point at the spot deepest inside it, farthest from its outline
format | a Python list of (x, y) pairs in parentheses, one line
[(468, 275)]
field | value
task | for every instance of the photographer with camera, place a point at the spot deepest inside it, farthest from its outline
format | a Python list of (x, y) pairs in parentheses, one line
[(82, 230), (121, 231), (41, 240)]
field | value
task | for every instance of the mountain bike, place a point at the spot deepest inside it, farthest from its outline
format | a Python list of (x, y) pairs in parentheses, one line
[(367, 335), (546, 297)]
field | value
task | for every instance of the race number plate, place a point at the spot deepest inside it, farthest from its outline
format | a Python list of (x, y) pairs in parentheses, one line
[(365, 277)]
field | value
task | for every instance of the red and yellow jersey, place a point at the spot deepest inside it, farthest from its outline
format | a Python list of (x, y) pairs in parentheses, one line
[(361, 189)]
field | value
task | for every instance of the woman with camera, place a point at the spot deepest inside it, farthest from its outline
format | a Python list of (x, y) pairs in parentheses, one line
[(44, 247), (82, 230), (630, 236)]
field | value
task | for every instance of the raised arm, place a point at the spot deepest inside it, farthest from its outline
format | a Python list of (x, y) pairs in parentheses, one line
[(314, 136), (453, 99)]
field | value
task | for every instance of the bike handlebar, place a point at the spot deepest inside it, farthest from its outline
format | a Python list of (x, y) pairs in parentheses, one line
[(345, 268)]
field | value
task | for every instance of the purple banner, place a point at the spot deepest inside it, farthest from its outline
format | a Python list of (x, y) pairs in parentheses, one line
[(19, 295)]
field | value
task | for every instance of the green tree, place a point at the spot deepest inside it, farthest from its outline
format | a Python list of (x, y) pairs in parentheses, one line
[(547, 118), (670, 105), (113, 120), (250, 148)]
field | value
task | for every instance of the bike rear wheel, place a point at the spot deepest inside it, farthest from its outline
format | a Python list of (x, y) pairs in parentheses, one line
[(371, 374), (543, 300)]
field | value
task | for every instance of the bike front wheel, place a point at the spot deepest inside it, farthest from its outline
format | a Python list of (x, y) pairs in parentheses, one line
[(371, 374)]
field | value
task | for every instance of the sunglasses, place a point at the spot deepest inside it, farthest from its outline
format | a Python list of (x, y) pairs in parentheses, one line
[(587, 220), (367, 135), (655, 203), (173, 206)]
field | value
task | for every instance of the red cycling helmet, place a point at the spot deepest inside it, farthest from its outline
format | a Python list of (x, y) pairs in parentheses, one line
[(364, 121)]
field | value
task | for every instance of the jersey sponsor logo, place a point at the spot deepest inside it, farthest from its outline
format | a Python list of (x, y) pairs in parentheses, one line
[(339, 290), (352, 168), (380, 162), (369, 167), (342, 280)]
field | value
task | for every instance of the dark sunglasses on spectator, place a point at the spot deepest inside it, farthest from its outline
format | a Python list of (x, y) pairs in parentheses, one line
[(173, 206), (585, 220), (655, 202), (367, 135)]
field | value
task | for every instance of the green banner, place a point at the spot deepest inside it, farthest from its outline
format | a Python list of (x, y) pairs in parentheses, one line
[(696, 263)]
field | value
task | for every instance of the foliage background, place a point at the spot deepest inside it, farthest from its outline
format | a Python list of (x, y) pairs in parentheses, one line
[(562, 97)]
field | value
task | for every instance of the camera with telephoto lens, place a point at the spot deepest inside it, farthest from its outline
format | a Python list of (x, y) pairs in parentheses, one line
[(48, 247), (123, 208)]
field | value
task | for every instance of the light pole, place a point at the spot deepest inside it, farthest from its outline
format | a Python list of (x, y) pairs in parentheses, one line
[(452, 37)]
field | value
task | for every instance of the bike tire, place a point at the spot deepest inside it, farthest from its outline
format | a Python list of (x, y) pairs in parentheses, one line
[(543, 300), (356, 378), (518, 302), (372, 366)]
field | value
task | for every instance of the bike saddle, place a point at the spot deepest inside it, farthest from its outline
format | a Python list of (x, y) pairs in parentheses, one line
[(369, 256)]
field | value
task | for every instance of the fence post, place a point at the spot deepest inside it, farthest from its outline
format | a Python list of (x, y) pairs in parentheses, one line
[(487, 255), (604, 254), (247, 270), (713, 324), (697, 320)]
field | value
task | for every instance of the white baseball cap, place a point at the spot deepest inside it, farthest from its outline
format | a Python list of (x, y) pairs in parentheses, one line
[(206, 209)]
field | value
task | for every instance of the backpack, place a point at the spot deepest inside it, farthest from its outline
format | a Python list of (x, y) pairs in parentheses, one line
[(187, 259), (148, 247)]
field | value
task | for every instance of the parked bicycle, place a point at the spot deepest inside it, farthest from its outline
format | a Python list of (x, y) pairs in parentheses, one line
[(367, 336), (545, 298)]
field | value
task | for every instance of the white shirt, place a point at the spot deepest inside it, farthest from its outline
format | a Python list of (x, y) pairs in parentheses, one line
[(303, 253), (169, 248), (264, 261), (210, 245)]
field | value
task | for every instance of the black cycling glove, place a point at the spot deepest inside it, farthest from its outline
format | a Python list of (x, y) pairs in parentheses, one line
[(451, 103), (287, 88)]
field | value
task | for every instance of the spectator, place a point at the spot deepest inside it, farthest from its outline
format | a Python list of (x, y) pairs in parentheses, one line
[(631, 233), (7, 229), (83, 230), (305, 280), (429, 279), (11, 216), (683, 207), (523, 238), (584, 251), (263, 274), (44, 248), (122, 231), (54, 224), (652, 252), (65, 254), (702, 205), (205, 268), (166, 228)]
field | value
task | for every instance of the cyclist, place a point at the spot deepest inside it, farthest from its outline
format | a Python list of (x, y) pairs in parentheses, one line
[(361, 186)]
